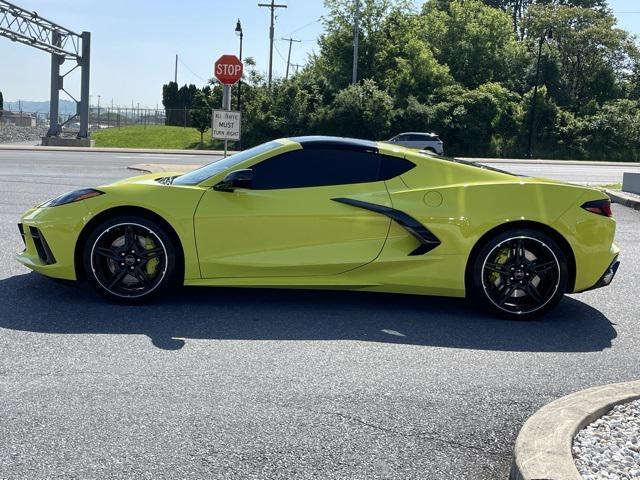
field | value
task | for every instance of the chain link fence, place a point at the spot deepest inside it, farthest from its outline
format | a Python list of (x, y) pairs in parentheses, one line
[(124, 117), (22, 126), (116, 117)]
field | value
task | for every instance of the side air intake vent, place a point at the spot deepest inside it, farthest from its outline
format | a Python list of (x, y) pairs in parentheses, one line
[(44, 252)]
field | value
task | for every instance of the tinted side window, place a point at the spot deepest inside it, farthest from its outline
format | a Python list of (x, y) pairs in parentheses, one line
[(421, 138), (393, 166), (316, 167)]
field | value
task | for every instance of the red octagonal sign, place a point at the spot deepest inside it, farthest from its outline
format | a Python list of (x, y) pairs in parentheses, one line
[(228, 69)]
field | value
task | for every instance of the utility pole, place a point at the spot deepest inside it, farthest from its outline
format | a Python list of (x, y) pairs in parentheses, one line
[(356, 41), (273, 7), (290, 40), (175, 75)]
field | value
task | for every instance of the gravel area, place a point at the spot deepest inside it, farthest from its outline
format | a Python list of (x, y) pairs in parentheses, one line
[(13, 134), (609, 448)]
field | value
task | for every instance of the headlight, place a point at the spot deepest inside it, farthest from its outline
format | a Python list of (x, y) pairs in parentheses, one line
[(71, 197)]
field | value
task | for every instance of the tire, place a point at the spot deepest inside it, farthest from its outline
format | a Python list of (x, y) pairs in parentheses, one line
[(130, 259), (519, 274), (430, 150)]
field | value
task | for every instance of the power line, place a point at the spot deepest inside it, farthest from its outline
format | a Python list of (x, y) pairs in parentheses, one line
[(279, 53), (303, 27), (192, 72)]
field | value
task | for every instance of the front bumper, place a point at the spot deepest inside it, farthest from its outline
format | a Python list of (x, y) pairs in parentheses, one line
[(50, 236)]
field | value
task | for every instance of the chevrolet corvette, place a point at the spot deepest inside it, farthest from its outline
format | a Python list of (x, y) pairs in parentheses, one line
[(332, 213)]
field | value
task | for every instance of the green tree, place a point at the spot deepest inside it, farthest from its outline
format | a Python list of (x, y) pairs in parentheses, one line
[(335, 58), (362, 111), (592, 54), (201, 114), (475, 41), (613, 132), (177, 102), (464, 69), (170, 95), (405, 63)]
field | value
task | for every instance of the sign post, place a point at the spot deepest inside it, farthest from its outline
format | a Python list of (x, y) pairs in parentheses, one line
[(226, 125)]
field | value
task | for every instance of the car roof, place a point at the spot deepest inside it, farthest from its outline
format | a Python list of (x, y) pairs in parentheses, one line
[(338, 143), (418, 133)]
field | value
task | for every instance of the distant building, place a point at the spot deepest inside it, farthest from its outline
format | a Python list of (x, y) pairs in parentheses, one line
[(19, 119)]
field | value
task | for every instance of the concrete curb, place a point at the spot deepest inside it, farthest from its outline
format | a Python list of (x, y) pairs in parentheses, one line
[(543, 446), (114, 150), (160, 167), (624, 198)]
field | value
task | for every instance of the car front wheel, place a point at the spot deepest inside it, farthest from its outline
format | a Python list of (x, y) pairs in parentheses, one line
[(129, 259), (520, 274)]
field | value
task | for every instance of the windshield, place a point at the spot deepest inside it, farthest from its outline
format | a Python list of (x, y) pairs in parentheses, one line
[(201, 174)]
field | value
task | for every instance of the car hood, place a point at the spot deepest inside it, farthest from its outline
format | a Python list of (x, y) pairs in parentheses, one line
[(146, 178)]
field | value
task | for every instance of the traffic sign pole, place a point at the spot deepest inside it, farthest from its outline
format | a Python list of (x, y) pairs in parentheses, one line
[(228, 70), (226, 105)]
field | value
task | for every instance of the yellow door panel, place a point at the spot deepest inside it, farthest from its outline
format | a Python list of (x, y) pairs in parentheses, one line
[(289, 232)]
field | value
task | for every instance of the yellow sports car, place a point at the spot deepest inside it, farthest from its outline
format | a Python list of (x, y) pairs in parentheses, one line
[(332, 213)]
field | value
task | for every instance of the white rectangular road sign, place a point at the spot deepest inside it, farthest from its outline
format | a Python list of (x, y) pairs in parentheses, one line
[(225, 125)]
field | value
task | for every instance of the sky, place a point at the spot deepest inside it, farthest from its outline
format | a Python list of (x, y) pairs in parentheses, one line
[(134, 43)]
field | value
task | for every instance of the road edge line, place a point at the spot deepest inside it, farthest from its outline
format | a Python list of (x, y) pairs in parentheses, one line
[(543, 446)]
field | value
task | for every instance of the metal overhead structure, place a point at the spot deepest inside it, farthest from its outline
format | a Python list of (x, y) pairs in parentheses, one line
[(28, 28)]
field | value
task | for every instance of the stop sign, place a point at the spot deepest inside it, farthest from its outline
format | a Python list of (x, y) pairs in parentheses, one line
[(228, 69)]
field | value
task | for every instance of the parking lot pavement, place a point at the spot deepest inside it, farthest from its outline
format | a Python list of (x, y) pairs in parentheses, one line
[(248, 383)]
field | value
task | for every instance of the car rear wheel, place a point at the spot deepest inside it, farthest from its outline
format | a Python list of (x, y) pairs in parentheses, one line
[(519, 274), (129, 259)]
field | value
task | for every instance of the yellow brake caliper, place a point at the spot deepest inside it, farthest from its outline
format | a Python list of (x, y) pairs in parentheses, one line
[(152, 265)]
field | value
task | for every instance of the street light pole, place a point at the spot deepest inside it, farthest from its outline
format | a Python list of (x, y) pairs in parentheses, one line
[(241, 35), (356, 42), (548, 34)]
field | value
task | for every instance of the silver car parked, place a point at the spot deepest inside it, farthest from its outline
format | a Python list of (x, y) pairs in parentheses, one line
[(421, 141)]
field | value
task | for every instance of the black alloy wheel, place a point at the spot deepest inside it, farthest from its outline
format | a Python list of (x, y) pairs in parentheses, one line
[(129, 259), (520, 274)]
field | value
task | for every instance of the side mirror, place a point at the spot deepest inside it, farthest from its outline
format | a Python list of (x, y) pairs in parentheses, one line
[(237, 179)]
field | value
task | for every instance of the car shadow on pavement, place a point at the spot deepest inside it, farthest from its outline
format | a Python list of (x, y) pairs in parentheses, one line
[(33, 303)]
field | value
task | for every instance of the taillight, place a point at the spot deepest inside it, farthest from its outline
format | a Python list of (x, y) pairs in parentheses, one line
[(600, 207)]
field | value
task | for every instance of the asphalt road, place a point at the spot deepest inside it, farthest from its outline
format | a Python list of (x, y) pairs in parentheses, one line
[(223, 383), (21, 161), (570, 172)]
